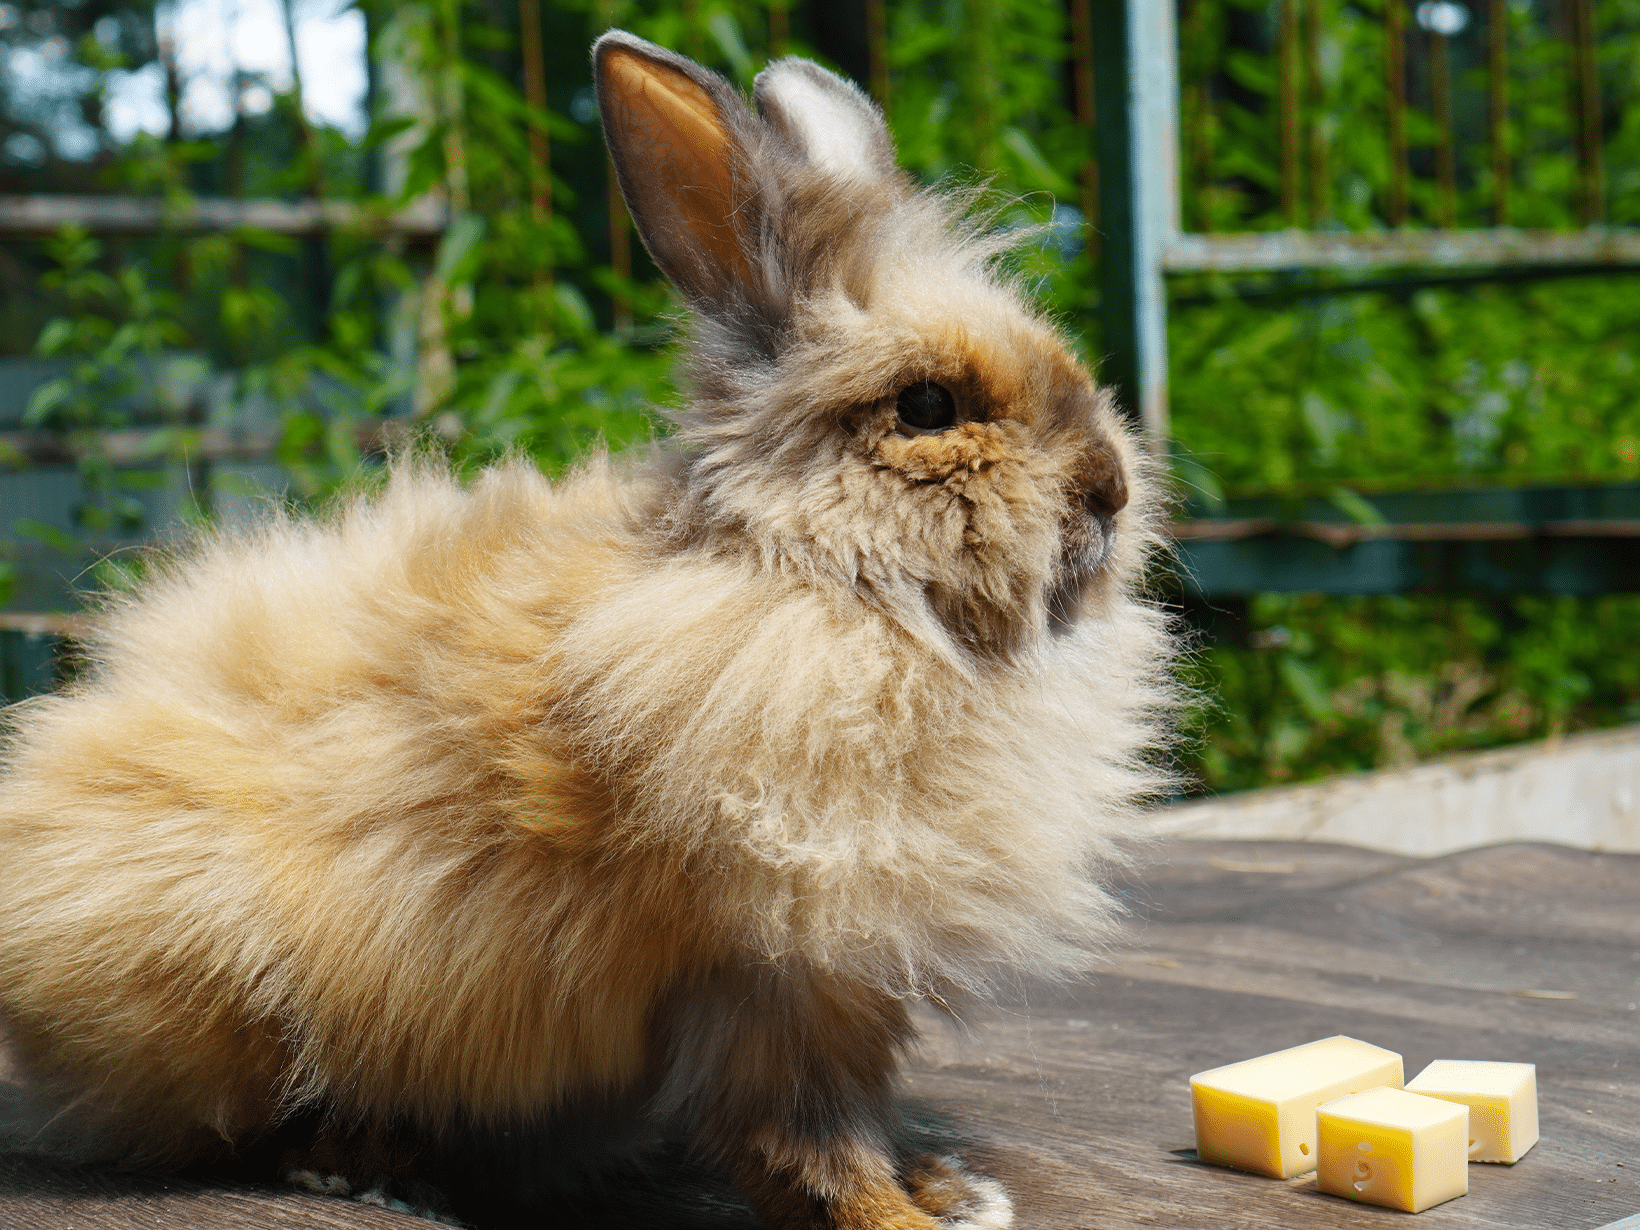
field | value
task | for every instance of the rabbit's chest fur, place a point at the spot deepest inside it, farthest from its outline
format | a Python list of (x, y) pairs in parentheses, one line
[(429, 809)]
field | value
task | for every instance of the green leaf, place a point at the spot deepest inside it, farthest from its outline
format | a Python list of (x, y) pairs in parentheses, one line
[(1306, 686), (47, 400), (457, 244), (118, 574), (1036, 165), (726, 34), (1356, 507), (574, 306), (50, 535), (56, 337), (236, 484)]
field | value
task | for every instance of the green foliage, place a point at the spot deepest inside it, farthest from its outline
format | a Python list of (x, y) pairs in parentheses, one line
[(1512, 383), (1305, 388), (1330, 685), (120, 335), (524, 331)]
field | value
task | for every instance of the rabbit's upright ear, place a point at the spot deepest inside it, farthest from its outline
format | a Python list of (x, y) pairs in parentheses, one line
[(832, 124), (679, 137)]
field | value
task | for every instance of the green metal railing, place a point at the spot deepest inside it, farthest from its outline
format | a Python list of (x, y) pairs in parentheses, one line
[(1481, 540)]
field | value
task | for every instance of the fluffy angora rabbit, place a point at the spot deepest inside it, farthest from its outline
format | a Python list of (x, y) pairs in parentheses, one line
[(673, 784)]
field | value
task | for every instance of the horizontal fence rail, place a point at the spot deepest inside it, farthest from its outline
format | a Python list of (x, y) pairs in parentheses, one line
[(1499, 248), (34, 217), (1344, 535), (143, 446), (39, 624), (1553, 540)]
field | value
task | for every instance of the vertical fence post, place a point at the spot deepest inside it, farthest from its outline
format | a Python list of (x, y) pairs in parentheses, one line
[(1196, 118), (1591, 175), (1135, 77), (535, 93), (1395, 72), (1287, 110), (877, 50), (1082, 77), (1497, 82), (779, 28), (1316, 88), (1446, 164), (620, 236)]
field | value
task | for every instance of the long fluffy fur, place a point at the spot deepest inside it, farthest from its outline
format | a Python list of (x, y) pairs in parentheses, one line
[(670, 782)]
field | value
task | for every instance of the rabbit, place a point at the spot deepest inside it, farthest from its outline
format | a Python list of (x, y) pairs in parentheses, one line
[(669, 786)]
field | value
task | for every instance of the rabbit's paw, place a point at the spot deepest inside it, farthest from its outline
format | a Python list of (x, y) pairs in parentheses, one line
[(319, 1184), (420, 1201), (960, 1200)]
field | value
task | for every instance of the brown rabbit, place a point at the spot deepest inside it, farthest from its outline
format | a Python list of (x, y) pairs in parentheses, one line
[(672, 784)]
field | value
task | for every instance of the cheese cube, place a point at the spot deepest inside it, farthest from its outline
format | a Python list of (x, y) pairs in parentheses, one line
[(1502, 1101), (1259, 1114), (1394, 1148)]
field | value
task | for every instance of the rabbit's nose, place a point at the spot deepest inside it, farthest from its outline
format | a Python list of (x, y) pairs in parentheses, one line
[(1105, 489)]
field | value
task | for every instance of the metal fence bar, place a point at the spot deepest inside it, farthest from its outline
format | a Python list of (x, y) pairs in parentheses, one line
[(1395, 71), (1440, 97), (1137, 99), (1497, 86), (25, 217), (1591, 176), (1338, 534), (1502, 247), (1287, 110), (1082, 79), (152, 446), (1316, 90)]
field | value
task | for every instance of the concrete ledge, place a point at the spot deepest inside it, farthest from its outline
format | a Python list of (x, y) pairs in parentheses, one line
[(1580, 791)]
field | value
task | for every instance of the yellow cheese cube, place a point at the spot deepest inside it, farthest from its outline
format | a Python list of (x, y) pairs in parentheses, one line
[(1502, 1101), (1391, 1147), (1259, 1114)]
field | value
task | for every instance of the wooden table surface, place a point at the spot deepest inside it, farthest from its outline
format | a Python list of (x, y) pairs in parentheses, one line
[(1078, 1100)]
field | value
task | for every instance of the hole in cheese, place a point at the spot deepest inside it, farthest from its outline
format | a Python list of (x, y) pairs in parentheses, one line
[(1304, 1148), (1393, 1148), (1363, 1172)]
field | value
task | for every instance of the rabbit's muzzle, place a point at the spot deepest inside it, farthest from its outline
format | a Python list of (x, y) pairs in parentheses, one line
[(1099, 491)]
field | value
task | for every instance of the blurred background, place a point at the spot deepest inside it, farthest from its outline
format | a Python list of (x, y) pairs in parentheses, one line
[(248, 246)]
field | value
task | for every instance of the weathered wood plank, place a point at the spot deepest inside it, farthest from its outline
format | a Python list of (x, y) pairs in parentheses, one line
[(36, 1195), (1083, 1102), (1496, 247), (1077, 1098)]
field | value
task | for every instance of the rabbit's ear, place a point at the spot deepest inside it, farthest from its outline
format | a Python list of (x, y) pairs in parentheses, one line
[(830, 121), (678, 135)]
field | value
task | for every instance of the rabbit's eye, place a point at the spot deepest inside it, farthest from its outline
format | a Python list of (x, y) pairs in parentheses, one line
[(925, 406)]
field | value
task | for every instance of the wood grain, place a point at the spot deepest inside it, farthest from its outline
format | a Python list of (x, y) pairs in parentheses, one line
[(1077, 1097)]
